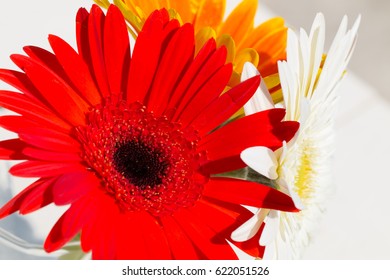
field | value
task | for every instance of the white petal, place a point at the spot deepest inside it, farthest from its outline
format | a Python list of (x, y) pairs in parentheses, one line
[(262, 160), (271, 228), (261, 100), (249, 229), (294, 196)]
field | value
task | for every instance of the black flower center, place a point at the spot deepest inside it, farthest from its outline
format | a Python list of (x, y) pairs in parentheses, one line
[(141, 165)]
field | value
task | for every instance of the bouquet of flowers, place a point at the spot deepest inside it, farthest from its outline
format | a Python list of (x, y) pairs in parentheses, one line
[(207, 138)]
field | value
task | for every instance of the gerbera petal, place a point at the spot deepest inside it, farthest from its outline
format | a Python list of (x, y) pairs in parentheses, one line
[(249, 229), (38, 197), (35, 168), (202, 236), (173, 63), (11, 149), (210, 13), (82, 19), (203, 97), (19, 200), (96, 22), (202, 79), (247, 193), (271, 228), (240, 134), (262, 160), (146, 56), (225, 106), (76, 68), (116, 51), (261, 100), (48, 139), (131, 242), (181, 246), (155, 240), (68, 225), (72, 186), (39, 154), (21, 104), (192, 77), (240, 21), (65, 101)]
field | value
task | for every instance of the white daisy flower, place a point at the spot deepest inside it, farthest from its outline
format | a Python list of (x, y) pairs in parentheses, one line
[(302, 167)]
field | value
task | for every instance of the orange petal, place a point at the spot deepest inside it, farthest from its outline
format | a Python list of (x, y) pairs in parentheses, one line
[(240, 21), (210, 13), (183, 7), (263, 30)]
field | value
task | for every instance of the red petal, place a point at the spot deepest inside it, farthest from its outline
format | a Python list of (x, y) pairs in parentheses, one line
[(153, 234), (95, 35), (76, 68), (34, 168), (211, 90), (130, 243), (203, 236), (225, 106), (116, 50), (82, 19), (69, 105), (260, 129), (173, 63), (21, 104), (47, 59), (72, 186), (39, 154), (21, 82), (248, 193), (11, 149), (201, 79), (201, 58), (146, 56), (38, 197), (68, 225), (17, 201), (49, 139), (181, 247), (224, 218)]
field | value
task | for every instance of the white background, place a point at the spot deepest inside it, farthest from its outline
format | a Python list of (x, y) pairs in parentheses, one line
[(357, 223)]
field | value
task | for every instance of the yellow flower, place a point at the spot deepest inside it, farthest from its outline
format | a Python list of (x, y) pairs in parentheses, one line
[(262, 45)]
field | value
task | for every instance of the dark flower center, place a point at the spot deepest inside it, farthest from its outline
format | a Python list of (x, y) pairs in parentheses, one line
[(140, 164), (145, 162)]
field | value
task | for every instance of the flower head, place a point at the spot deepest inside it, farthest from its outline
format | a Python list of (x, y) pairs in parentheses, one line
[(262, 45), (301, 168), (134, 143)]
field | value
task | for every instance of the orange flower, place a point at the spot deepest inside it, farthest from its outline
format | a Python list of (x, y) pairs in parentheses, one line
[(262, 45)]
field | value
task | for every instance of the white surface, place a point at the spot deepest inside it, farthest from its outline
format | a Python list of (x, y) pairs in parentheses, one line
[(356, 224)]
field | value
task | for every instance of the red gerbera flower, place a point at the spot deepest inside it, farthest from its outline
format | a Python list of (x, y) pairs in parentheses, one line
[(133, 143)]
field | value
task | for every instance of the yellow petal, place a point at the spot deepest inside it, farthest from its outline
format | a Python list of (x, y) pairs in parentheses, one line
[(131, 16), (202, 36), (210, 13), (245, 55), (228, 42), (272, 81), (277, 96), (235, 79), (173, 14), (102, 3), (240, 21)]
